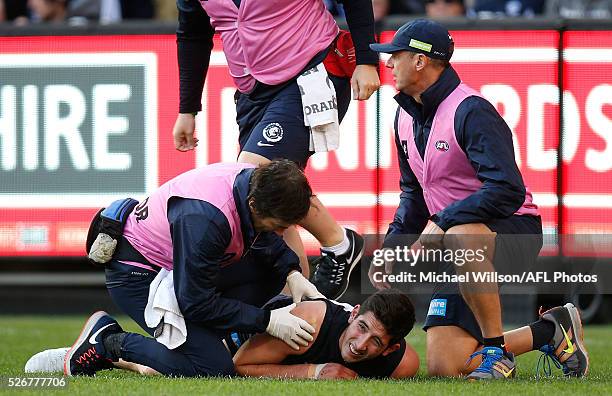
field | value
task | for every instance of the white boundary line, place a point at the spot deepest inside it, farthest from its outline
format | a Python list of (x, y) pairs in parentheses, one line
[(527, 55), (332, 200), (502, 55), (544, 200), (588, 55), (68, 201), (467, 55)]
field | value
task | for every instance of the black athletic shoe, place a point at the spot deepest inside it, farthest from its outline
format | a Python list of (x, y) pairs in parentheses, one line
[(331, 276), (566, 349), (87, 355)]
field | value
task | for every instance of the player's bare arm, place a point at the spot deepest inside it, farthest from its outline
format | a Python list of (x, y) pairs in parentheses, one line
[(262, 354), (408, 366)]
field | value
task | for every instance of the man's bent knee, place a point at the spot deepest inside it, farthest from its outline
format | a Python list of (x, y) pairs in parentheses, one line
[(438, 366), (469, 236), (448, 349), (252, 158), (469, 229)]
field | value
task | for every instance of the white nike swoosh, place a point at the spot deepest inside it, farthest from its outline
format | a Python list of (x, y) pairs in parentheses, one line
[(353, 249), (92, 339), (260, 144)]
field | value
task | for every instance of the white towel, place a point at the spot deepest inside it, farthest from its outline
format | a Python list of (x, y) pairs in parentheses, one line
[(320, 108), (162, 304)]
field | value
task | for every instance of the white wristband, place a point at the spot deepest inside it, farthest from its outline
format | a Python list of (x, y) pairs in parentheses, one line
[(318, 370)]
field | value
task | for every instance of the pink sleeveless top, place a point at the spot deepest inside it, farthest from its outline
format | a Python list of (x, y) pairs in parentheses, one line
[(445, 174), (270, 41), (213, 183)]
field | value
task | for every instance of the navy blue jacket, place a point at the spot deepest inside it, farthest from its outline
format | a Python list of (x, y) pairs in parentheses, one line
[(200, 234), (485, 138)]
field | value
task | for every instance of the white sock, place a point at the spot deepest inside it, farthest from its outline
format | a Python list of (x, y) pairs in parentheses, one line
[(340, 248)]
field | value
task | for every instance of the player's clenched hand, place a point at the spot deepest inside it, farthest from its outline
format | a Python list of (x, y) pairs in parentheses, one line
[(289, 328), (301, 287), (183, 130), (376, 272), (365, 81), (335, 371)]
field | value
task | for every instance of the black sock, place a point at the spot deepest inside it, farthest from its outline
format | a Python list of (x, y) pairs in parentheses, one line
[(496, 342), (112, 345), (542, 332)]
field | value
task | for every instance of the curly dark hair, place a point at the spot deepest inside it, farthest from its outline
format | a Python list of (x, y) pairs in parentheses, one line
[(393, 309), (280, 190)]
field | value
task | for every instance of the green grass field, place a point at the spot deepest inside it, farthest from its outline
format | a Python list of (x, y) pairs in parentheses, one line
[(20, 337)]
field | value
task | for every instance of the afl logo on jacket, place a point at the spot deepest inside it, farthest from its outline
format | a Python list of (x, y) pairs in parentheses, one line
[(442, 145)]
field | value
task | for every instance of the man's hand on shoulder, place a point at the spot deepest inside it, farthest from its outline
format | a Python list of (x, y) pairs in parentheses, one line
[(289, 328), (262, 354), (296, 324), (300, 287), (311, 311)]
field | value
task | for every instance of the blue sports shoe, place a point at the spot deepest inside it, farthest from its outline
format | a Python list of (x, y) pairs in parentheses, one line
[(495, 365), (88, 355)]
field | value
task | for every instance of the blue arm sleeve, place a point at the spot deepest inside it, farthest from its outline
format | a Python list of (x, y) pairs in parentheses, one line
[(200, 236), (411, 215), (194, 43), (487, 142), (360, 20)]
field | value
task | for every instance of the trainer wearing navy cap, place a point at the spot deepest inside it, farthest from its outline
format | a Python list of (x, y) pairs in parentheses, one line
[(461, 189), (421, 36)]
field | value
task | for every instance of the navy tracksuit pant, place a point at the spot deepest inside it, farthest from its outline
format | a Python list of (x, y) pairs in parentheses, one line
[(203, 354)]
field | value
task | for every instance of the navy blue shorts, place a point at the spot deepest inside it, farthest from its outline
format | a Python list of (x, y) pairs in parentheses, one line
[(203, 353), (271, 120), (448, 308)]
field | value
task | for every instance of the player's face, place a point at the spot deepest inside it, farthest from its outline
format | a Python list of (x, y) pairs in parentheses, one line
[(402, 65), (269, 224), (364, 338)]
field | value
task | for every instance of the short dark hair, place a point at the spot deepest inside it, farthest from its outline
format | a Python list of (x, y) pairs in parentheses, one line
[(393, 309), (439, 63), (280, 190)]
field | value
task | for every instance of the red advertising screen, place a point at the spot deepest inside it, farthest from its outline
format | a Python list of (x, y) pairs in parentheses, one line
[(587, 140), (86, 120), (587, 148)]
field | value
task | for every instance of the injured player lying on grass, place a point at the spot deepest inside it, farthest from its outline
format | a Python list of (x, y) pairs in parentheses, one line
[(362, 341)]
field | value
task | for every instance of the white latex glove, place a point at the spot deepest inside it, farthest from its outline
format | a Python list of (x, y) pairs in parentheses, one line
[(301, 287), (289, 328)]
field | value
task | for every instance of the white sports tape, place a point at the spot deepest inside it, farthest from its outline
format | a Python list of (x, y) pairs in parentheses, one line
[(318, 370)]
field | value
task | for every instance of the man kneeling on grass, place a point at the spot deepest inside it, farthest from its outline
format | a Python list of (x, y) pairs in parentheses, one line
[(362, 341)]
